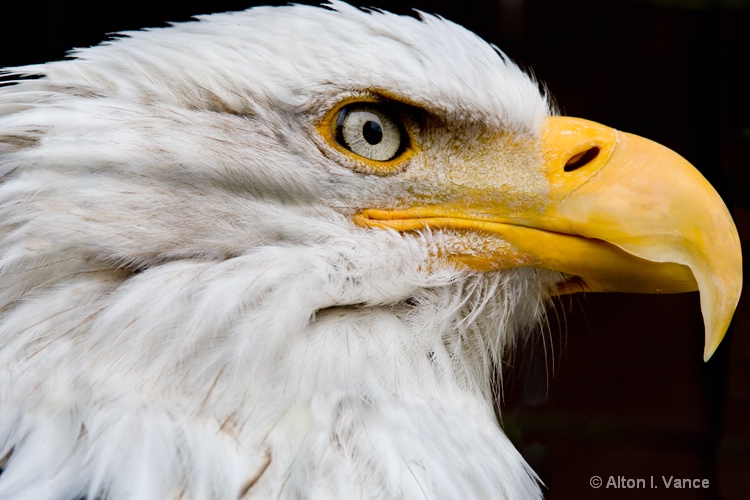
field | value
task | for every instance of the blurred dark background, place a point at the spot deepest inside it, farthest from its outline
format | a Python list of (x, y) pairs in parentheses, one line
[(616, 385)]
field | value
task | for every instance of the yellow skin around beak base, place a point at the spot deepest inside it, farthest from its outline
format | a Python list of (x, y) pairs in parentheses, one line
[(623, 214)]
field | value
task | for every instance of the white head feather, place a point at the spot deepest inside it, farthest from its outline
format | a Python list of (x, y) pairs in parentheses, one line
[(188, 309)]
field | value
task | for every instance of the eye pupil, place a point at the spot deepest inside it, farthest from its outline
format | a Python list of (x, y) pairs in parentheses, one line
[(372, 132)]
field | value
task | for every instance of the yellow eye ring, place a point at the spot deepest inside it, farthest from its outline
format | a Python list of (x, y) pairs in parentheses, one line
[(373, 134)]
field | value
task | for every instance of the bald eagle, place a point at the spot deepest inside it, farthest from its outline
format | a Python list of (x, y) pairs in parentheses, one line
[(280, 253)]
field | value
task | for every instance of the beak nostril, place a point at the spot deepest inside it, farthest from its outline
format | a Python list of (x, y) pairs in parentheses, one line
[(581, 159)]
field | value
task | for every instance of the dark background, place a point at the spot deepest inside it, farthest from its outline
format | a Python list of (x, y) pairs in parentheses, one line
[(616, 385)]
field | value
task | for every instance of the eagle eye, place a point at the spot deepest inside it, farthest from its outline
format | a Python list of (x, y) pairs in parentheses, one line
[(370, 130)]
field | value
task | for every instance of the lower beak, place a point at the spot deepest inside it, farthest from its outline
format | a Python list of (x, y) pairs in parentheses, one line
[(623, 214)]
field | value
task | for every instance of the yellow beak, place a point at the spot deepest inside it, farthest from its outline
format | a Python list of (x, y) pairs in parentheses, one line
[(623, 214)]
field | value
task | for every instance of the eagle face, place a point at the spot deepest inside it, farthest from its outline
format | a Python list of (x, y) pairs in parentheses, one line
[(281, 252)]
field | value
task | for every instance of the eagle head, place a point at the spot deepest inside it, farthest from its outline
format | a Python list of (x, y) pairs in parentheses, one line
[(280, 253)]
